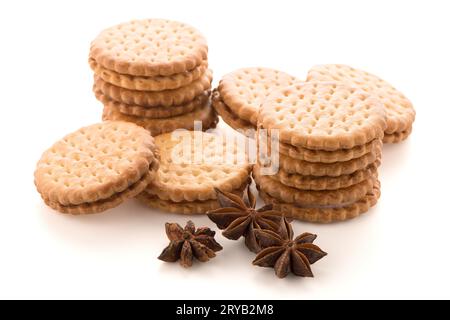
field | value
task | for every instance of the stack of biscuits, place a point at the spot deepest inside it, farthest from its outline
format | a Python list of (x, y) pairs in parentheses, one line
[(329, 137), (192, 165), (155, 74)]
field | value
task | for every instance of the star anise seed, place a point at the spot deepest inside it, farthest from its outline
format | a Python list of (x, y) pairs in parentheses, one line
[(189, 243), (239, 218), (286, 254)]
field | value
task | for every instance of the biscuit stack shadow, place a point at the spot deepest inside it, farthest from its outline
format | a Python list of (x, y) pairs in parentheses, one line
[(155, 74), (330, 140)]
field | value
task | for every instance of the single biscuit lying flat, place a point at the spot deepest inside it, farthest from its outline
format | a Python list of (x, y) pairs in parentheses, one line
[(245, 89), (96, 167), (194, 163), (399, 110), (204, 115), (157, 83), (154, 112), (325, 116), (155, 98), (151, 47), (326, 214)]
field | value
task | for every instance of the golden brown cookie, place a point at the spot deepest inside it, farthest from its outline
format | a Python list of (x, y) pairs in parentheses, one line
[(154, 112), (329, 156), (184, 207), (204, 115), (156, 83), (324, 182), (244, 90), (326, 214), (323, 116), (151, 47), (155, 98), (335, 169), (287, 194), (194, 163), (96, 167), (399, 110)]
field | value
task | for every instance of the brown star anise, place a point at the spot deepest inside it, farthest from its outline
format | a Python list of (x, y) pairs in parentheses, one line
[(239, 217), (286, 254), (187, 243)]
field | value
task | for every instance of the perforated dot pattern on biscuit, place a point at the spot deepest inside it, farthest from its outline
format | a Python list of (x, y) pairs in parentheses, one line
[(244, 90), (326, 116), (149, 47), (192, 164), (94, 163), (399, 110)]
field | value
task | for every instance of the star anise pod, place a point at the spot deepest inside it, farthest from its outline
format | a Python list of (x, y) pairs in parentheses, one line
[(187, 243), (239, 218), (286, 254)]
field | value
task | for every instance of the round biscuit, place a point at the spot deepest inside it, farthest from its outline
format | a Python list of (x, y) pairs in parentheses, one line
[(94, 163), (194, 163), (150, 47), (323, 115), (244, 90), (400, 113)]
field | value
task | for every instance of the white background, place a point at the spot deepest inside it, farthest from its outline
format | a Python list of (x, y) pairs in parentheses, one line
[(398, 250)]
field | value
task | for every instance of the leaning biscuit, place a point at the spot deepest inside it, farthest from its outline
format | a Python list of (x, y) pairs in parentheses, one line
[(292, 195), (325, 116), (244, 90), (194, 163), (152, 47), (204, 115), (156, 83), (96, 167), (326, 214), (397, 136), (153, 112), (155, 98), (105, 204), (243, 126), (399, 110)]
